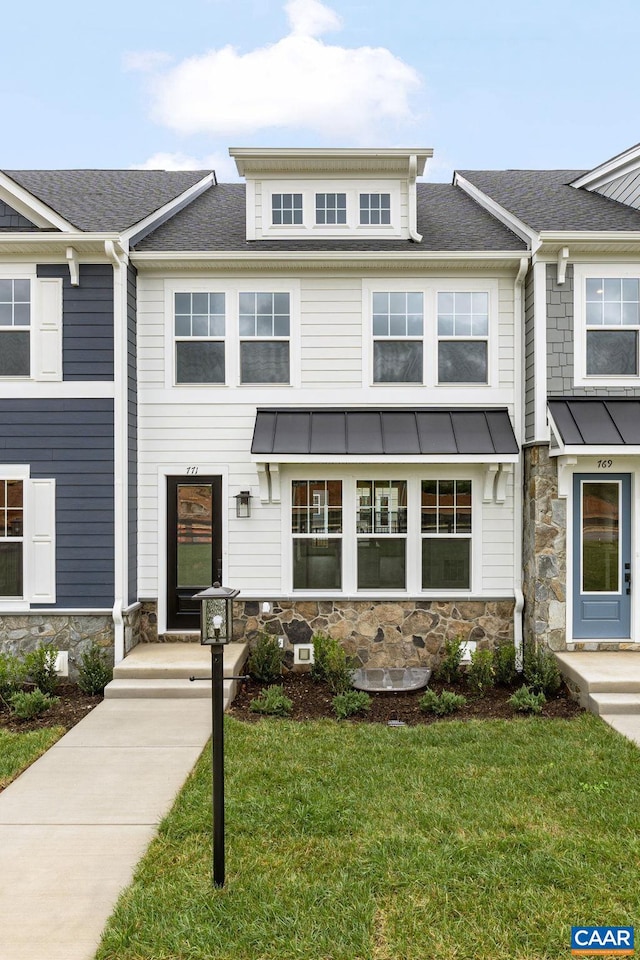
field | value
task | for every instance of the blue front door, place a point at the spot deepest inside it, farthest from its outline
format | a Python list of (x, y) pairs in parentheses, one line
[(601, 556)]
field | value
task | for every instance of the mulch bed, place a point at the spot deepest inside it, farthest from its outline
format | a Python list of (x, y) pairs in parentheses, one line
[(312, 701), (73, 706)]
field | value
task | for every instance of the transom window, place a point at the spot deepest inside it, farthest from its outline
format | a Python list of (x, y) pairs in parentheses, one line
[(331, 208), (613, 322), (11, 537), (446, 534), (375, 208), (286, 208), (316, 524), (264, 326), (463, 333), (381, 525), (15, 322), (199, 333), (398, 322)]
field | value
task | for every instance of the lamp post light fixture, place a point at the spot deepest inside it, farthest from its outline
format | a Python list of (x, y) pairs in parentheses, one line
[(216, 630), (243, 504)]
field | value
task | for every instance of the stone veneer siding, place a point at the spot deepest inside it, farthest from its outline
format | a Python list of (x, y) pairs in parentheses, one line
[(21, 633)]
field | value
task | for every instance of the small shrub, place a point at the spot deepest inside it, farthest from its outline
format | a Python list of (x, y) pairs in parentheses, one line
[(504, 662), (525, 700), (481, 675), (449, 669), (272, 701), (265, 660), (350, 703), (331, 664), (447, 702), (541, 671), (40, 667), (94, 670), (26, 706), (12, 675)]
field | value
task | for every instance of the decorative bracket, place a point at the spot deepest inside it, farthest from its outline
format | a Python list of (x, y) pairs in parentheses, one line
[(563, 259), (263, 479), (506, 469), (274, 475), (565, 474), (74, 266), (489, 481)]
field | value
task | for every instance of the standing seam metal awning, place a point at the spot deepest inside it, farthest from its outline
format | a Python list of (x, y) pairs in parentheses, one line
[(584, 422), (390, 432)]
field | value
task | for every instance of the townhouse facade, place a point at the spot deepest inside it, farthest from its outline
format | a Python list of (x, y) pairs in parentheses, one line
[(387, 409)]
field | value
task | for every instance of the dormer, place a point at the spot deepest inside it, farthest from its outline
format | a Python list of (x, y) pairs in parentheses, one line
[(314, 194)]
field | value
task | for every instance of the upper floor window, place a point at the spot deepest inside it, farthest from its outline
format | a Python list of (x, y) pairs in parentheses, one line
[(264, 327), (11, 537), (612, 324), (463, 333), (331, 208), (398, 320), (199, 337), (286, 208), (15, 322), (375, 209)]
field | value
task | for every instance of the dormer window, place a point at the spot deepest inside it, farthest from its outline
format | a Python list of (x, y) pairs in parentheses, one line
[(375, 209), (331, 208), (286, 209)]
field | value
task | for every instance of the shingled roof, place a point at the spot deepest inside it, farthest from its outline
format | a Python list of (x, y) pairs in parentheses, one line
[(544, 200), (448, 219), (106, 201)]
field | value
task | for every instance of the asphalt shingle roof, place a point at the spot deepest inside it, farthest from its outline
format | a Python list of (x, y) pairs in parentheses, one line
[(544, 200), (105, 201), (448, 219)]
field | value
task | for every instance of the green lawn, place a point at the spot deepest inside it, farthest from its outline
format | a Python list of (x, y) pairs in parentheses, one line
[(361, 842), (19, 750)]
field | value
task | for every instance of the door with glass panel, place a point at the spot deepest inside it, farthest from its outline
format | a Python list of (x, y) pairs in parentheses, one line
[(194, 546), (602, 556)]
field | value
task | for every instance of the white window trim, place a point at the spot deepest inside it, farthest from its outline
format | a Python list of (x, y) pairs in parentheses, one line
[(430, 339), (581, 273), (352, 228), (232, 289), (413, 537), (45, 327)]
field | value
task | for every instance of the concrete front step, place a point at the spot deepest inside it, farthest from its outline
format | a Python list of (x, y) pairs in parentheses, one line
[(601, 672), (162, 670), (614, 703)]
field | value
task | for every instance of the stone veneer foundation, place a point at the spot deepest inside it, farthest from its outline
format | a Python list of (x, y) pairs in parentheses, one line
[(21, 633), (390, 633)]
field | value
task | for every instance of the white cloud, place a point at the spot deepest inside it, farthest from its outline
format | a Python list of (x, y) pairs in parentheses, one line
[(223, 165), (338, 92), (144, 61)]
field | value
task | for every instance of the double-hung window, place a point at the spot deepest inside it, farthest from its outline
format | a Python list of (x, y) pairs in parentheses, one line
[(11, 538), (463, 334), (199, 337), (264, 326), (398, 323), (375, 209), (15, 328), (331, 208), (286, 209), (612, 325), (381, 524), (446, 534), (316, 524)]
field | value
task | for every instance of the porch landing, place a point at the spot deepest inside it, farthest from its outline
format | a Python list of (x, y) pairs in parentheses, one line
[(162, 670), (609, 686)]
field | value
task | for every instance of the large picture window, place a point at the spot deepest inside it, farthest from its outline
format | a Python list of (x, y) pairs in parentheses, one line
[(199, 321), (316, 525), (446, 534), (15, 323), (11, 538)]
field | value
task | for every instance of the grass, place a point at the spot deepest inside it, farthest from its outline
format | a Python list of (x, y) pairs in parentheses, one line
[(19, 750), (478, 840)]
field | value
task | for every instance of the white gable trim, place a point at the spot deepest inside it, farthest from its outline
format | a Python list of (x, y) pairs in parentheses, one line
[(519, 227), (618, 166), (30, 207), (164, 213)]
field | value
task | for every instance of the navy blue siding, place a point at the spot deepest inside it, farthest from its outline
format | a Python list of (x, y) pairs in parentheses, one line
[(72, 442), (132, 414), (10, 219), (87, 323)]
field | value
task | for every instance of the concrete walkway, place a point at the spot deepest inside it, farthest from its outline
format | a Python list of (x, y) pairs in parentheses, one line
[(75, 824)]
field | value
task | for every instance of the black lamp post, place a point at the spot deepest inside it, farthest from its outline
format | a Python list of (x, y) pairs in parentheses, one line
[(216, 630)]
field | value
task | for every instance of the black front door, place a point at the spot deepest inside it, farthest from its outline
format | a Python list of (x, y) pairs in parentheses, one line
[(194, 546)]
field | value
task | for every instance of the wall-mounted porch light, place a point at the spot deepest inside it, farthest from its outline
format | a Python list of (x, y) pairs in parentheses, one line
[(243, 504)]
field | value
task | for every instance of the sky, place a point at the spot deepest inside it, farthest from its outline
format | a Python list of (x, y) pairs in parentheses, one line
[(172, 85)]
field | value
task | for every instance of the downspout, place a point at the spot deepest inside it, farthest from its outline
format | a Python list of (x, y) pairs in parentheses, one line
[(120, 446), (518, 494), (413, 200)]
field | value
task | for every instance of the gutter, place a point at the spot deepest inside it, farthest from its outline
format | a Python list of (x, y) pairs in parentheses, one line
[(413, 200), (518, 479)]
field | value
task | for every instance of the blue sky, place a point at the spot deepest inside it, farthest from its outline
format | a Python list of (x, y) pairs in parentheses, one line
[(150, 82)]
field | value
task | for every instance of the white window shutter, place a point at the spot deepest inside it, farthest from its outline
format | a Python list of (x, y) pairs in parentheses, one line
[(47, 328), (41, 520)]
